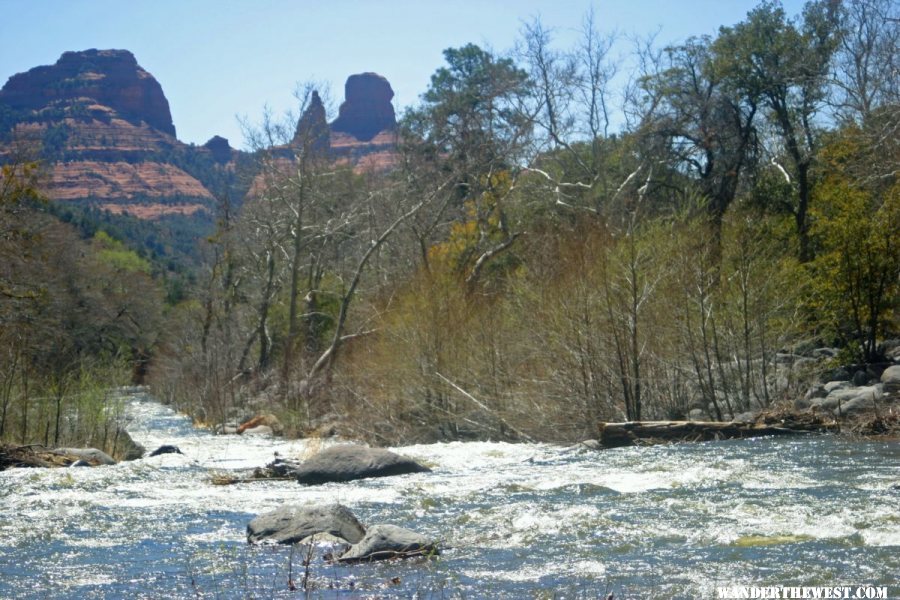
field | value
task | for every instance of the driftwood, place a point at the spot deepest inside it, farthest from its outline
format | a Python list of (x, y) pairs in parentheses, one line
[(33, 456), (636, 433), (229, 480)]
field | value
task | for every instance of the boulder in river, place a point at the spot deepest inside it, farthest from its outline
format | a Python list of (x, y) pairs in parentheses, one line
[(166, 449), (383, 542), (125, 447), (349, 462), (292, 524)]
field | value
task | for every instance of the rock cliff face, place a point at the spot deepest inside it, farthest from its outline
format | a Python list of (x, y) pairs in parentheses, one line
[(313, 133), (365, 133), (105, 130), (219, 148), (109, 78), (367, 108), (104, 127)]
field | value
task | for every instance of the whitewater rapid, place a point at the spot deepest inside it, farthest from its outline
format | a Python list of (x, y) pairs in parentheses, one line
[(516, 520)]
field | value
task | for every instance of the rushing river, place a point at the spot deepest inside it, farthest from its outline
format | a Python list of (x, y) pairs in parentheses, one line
[(517, 520)]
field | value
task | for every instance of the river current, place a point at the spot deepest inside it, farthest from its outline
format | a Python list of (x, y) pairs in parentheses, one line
[(516, 520)]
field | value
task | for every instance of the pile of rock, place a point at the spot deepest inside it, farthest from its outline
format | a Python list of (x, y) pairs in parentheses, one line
[(335, 523), (847, 395)]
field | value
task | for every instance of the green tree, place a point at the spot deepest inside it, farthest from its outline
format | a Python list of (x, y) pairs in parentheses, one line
[(857, 271), (703, 126), (786, 65), (472, 125)]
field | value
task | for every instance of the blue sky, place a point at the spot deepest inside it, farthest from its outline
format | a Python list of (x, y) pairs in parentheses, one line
[(222, 59)]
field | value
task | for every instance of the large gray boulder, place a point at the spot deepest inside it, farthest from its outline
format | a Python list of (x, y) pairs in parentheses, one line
[(125, 447), (864, 403), (389, 541), (349, 462), (836, 385), (292, 524), (852, 401), (891, 379)]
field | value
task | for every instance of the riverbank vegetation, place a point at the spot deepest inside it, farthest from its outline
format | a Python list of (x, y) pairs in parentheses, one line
[(77, 317), (554, 249)]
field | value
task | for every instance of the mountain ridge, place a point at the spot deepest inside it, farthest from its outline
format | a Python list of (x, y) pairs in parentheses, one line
[(105, 129)]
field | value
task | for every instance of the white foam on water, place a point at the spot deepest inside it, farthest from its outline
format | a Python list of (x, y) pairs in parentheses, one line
[(523, 500)]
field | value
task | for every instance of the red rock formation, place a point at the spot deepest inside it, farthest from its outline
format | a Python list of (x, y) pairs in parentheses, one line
[(219, 148), (121, 180), (109, 78), (106, 131), (367, 108), (365, 133), (94, 137), (378, 154), (312, 128), (107, 134)]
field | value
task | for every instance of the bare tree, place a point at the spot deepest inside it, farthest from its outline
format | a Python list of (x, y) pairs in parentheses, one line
[(867, 62)]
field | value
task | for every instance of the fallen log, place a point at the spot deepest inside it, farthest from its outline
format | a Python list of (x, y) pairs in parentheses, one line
[(229, 480), (638, 433), (32, 456), (39, 456)]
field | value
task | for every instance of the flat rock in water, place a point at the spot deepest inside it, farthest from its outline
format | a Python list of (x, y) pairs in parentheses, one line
[(349, 462), (389, 541), (293, 524), (589, 445)]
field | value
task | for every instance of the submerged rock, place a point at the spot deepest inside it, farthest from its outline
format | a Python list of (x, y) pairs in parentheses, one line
[(259, 430), (349, 462), (383, 542), (280, 467), (166, 449), (589, 445), (293, 524)]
